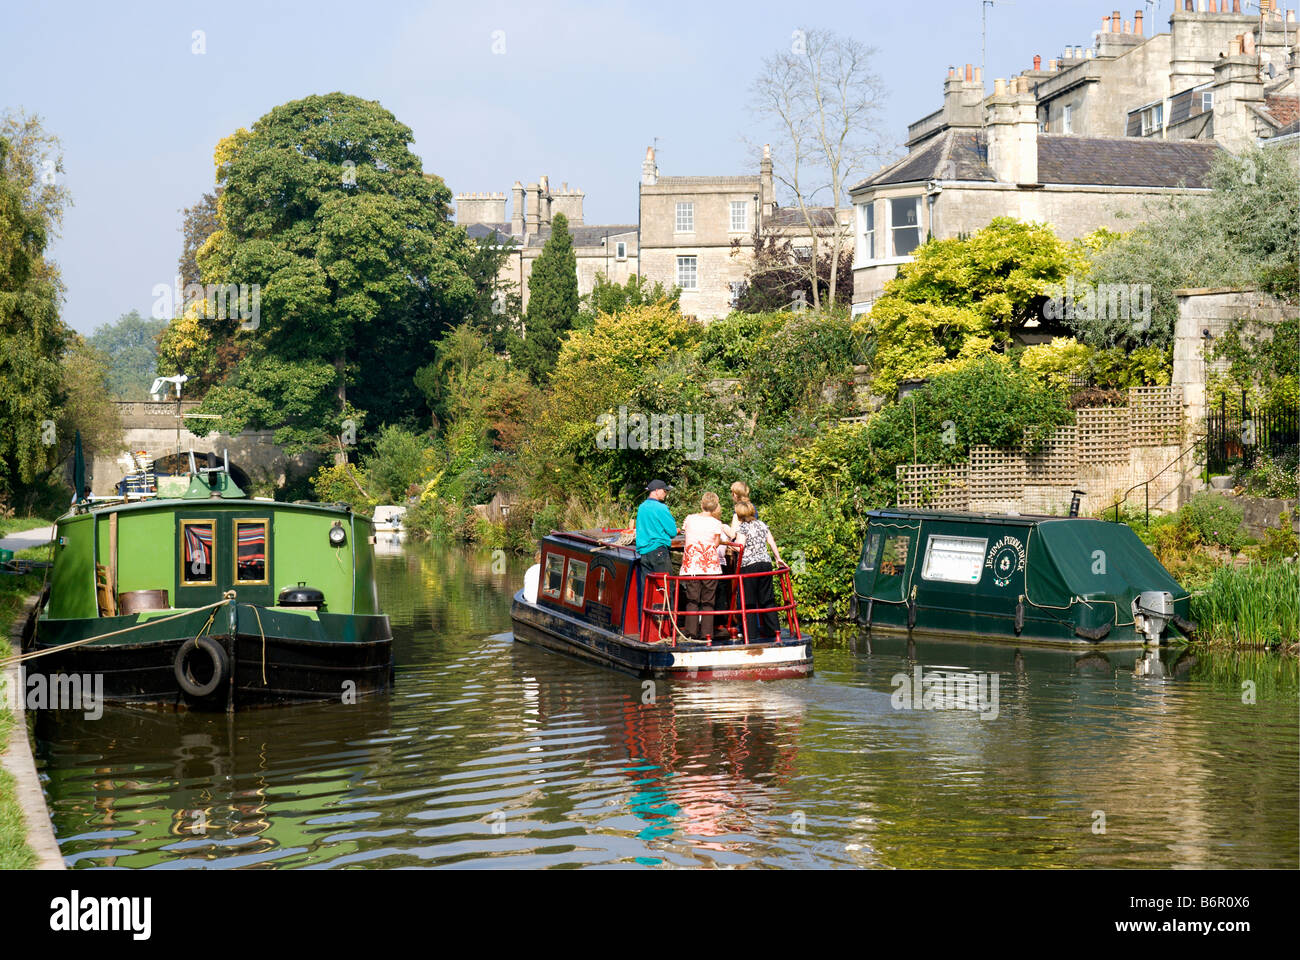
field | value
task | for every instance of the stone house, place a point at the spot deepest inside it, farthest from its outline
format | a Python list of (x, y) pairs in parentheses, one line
[(694, 232), (1087, 142), (610, 249)]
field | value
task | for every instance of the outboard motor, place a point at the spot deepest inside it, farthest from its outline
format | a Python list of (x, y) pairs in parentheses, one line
[(1152, 611), (301, 596)]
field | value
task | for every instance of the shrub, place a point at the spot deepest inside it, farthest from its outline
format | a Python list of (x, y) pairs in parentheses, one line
[(1215, 520)]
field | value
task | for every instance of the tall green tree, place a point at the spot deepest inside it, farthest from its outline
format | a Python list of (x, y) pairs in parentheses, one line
[(324, 206), (552, 303), (32, 335), (130, 346)]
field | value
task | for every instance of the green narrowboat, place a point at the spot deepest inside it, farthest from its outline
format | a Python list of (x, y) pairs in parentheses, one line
[(1058, 580), (212, 600)]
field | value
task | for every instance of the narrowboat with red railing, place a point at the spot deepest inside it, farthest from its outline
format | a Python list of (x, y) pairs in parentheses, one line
[(589, 598)]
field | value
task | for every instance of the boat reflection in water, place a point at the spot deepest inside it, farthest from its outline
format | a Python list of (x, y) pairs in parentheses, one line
[(709, 764), (190, 789)]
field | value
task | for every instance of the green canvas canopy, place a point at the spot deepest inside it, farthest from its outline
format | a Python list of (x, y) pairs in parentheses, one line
[(1096, 561)]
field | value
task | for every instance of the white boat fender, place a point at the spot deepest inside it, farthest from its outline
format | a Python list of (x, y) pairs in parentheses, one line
[(532, 577)]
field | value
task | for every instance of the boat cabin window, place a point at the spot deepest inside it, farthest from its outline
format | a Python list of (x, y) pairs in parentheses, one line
[(198, 550), (554, 575), (954, 559), (576, 586), (869, 552), (893, 561), (250, 551)]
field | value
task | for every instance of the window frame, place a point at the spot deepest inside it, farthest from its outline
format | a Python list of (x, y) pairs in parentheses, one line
[(211, 524), (979, 566), (743, 206), (695, 271), (915, 200), (266, 554), (686, 207), (569, 577), (546, 569), (868, 231), (620, 250)]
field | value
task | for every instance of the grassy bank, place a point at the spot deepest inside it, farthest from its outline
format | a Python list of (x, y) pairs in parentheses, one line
[(14, 590)]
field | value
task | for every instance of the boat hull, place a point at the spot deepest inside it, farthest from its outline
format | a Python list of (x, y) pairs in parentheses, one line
[(552, 630), (273, 658)]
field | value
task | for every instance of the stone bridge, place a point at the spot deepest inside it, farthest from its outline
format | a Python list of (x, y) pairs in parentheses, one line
[(151, 428)]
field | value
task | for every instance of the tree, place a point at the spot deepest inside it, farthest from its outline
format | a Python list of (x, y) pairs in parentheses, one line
[(611, 297), (961, 298), (1245, 232), (130, 347), (197, 224), (326, 209), (825, 102), (32, 336), (552, 303), (779, 278)]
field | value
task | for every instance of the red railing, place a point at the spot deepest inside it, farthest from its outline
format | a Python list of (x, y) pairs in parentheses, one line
[(659, 621)]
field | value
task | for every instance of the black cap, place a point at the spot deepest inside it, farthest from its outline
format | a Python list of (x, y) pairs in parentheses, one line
[(654, 485)]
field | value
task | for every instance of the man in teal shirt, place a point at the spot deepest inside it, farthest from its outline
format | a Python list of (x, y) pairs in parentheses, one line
[(655, 529)]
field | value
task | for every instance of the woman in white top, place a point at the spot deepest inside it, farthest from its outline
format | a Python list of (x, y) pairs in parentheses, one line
[(702, 532)]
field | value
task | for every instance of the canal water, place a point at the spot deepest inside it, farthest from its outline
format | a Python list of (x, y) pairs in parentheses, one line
[(493, 754)]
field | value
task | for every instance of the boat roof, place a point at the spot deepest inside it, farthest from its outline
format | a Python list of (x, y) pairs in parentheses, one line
[(1017, 519), (123, 506), (593, 540)]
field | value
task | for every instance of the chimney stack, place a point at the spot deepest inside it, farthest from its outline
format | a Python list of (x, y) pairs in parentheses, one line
[(649, 169)]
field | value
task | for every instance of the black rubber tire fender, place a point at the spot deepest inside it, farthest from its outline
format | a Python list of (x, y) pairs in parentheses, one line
[(220, 666)]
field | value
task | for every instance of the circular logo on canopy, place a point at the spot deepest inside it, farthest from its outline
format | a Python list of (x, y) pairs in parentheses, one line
[(1006, 558)]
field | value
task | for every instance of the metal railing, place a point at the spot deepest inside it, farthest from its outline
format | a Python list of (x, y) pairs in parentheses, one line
[(656, 613)]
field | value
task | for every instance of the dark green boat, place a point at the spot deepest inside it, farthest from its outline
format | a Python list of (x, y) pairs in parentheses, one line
[(213, 600), (1059, 580)]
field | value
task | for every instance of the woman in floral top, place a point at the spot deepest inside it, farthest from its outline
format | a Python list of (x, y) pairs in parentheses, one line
[(757, 538), (703, 532)]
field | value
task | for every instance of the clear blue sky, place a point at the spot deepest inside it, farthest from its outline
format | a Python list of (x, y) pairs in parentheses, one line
[(579, 92)]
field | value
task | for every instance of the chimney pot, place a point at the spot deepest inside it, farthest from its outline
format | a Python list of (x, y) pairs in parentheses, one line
[(1248, 44), (1290, 16), (1038, 62), (1236, 6), (1051, 65), (1128, 26), (1114, 21), (969, 74), (1105, 24), (999, 87), (979, 74), (952, 72), (1137, 22)]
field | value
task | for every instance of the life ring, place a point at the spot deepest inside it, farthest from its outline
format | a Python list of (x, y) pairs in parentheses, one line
[(216, 653)]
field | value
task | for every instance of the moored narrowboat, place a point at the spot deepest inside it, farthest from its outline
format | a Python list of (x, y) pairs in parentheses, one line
[(589, 598), (1022, 578), (212, 600)]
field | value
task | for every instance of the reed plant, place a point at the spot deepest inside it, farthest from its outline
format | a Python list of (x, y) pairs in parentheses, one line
[(1254, 605)]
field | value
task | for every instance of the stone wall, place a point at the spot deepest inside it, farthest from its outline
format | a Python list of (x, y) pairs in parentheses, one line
[(1211, 311)]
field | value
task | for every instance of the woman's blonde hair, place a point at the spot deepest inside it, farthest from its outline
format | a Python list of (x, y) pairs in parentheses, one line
[(709, 502), (744, 510), (740, 490)]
